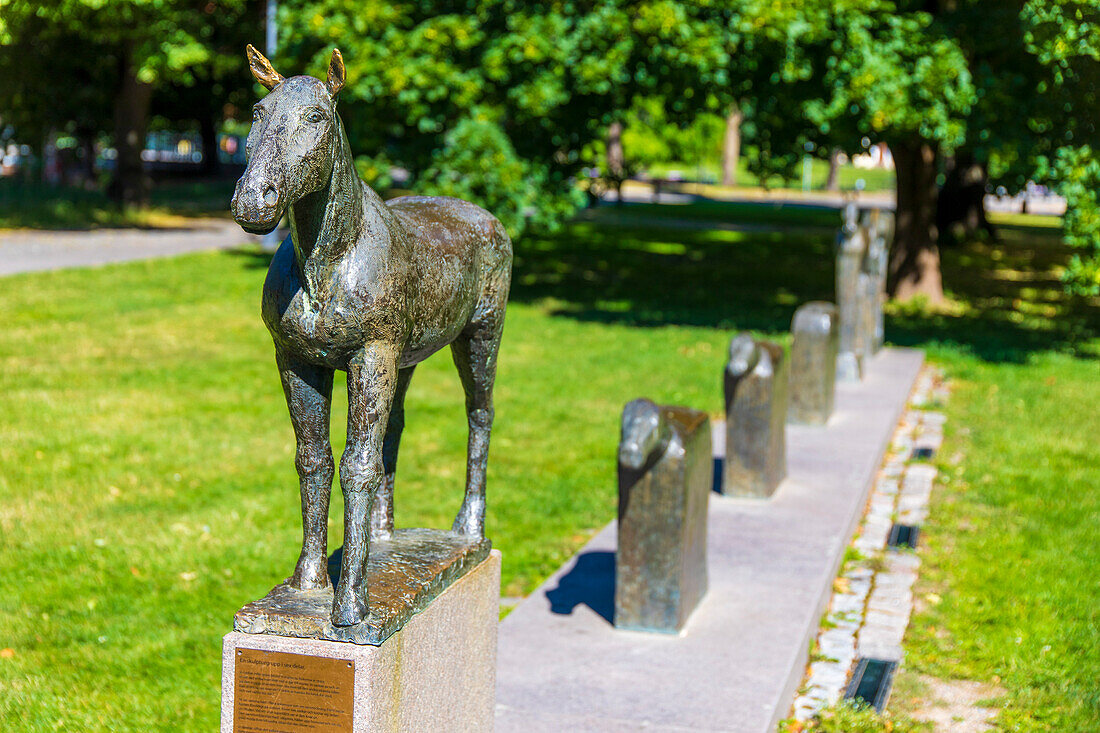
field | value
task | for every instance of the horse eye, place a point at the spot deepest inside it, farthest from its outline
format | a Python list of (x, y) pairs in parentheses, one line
[(315, 116), (257, 113)]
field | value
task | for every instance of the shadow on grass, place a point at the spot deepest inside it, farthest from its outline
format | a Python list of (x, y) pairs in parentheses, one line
[(653, 276), (64, 208), (1008, 300)]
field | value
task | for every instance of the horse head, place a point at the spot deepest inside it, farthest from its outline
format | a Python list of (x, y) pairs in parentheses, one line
[(645, 433), (292, 144)]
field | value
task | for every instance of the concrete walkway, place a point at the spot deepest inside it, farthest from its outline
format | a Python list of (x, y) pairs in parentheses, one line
[(29, 250), (771, 565)]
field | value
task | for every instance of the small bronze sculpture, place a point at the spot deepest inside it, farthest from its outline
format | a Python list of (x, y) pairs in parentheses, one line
[(665, 476), (813, 363), (755, 385), (371, 288)]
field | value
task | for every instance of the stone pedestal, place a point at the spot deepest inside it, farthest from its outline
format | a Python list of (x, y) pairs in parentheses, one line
[(437, 671), (756, 418), (661, 562), (813, 363), (851, 246)]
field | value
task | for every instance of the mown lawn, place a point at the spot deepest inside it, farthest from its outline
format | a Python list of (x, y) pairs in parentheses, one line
[(1009, 591), (147, 487)]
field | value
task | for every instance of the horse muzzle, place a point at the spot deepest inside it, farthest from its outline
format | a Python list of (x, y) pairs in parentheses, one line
[(256, 206)]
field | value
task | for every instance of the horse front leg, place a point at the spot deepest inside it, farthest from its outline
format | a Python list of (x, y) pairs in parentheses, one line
[(308, 391), (372, 381), (475, 355)]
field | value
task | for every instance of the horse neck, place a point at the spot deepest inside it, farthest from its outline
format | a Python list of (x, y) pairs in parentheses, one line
[(325, 224)]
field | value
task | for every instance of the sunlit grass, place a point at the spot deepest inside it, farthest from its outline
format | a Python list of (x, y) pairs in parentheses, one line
[(147, 487)]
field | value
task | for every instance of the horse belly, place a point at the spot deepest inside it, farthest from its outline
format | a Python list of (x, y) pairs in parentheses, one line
[(439, 312)]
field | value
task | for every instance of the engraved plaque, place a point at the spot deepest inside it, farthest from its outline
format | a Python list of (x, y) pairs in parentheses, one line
[(276, 692)]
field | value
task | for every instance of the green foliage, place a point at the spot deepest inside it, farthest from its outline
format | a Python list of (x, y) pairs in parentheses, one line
[(1076, 175), (652, 137), (478, 163)]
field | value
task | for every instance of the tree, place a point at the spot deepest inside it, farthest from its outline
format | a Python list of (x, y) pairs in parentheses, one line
[(119, 52), (1022, 106), (731, 145), (1064, 37)]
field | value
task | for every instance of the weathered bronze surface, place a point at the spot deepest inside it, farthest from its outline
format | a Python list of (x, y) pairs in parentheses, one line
[(851, 245), (813, 363), (405, 572), (879, 225), (371, 288), (756, 418), (277, 692), (665, 475)]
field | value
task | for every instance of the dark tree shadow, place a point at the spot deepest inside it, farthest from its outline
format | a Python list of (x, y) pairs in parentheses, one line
[(591, 582), (1009, 302)]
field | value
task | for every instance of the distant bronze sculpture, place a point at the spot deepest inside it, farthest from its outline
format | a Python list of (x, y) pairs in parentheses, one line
[(371, 288), (755, 387), (879, 224), (850, 249), (665, 475)]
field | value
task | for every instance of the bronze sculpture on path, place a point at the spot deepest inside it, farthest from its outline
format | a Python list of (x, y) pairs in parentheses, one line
[(371, 288)]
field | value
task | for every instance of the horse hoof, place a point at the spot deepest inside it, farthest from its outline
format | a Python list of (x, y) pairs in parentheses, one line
[(310, 575), (468, 527), (348, 611)]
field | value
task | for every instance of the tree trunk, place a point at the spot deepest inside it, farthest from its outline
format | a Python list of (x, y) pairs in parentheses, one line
[(962, 199), (731, 150), (915, 258), (832, 183), (616, 161), (208, 130), (86, 177), (129, 187)]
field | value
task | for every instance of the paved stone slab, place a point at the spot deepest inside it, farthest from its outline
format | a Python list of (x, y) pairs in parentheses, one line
[(741, 657)]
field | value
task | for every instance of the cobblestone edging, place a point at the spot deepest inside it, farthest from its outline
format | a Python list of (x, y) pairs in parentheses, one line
[(873, 598)]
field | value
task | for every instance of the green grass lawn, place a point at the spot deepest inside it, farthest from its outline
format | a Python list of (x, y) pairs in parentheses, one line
[(1009, 592), (147, 487)]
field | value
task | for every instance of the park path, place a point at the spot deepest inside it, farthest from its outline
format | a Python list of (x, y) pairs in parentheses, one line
[(30, 250)]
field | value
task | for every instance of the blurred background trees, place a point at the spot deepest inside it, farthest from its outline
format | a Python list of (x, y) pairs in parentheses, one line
[(93, 68), (517, 105)]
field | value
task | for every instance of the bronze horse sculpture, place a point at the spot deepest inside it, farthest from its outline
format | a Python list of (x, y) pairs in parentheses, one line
[(371, 288)]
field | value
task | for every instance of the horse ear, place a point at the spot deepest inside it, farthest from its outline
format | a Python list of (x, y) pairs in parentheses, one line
[(262, 69), (336, 73)]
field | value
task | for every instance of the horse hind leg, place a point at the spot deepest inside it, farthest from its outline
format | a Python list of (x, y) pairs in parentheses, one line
[(475, 355), (381, 519)]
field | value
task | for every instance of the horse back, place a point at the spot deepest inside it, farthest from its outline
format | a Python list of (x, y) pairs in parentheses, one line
[(448, 226), (461, 262)]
